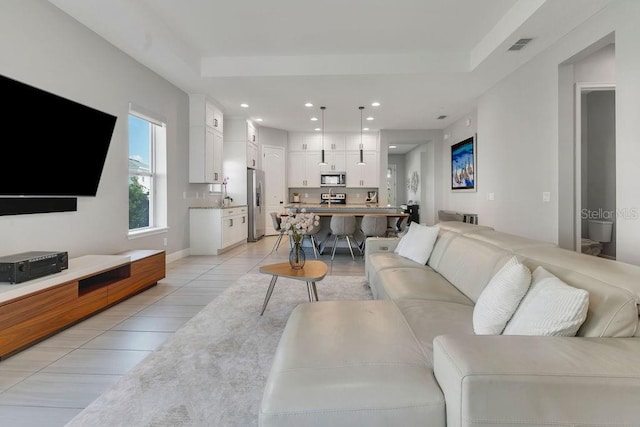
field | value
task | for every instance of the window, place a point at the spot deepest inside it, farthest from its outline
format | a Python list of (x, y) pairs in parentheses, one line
[(147, 173)]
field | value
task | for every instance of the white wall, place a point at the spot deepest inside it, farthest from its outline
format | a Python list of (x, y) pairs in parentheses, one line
[(594, 64), (401, 184), (462, 129), (416, 136), (46, 48), (518, 136)]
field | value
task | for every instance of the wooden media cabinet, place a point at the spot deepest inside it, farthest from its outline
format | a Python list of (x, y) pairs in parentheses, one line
[(34, 310)]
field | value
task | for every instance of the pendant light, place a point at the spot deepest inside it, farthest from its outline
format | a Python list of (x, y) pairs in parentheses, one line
[(322, 161), (361, 162)]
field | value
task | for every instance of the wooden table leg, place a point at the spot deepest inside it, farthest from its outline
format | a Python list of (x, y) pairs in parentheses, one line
[(269, 291)]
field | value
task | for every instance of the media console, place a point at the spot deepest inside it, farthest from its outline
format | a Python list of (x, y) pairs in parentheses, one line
[(34, 310)]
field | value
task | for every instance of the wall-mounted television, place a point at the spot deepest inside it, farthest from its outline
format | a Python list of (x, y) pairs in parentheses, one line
[(51, 146)]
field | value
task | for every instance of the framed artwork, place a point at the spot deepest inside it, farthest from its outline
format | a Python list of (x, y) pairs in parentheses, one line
[(463, 165)]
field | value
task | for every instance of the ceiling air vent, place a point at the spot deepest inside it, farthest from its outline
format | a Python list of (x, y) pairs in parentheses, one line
[(442, 117), (520, 44)]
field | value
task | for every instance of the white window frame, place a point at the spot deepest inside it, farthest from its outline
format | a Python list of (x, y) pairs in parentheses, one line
[(158, 175)]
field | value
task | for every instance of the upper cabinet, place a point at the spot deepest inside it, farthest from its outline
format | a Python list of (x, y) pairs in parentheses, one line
[(205, 141), (304, 142), (252, 133), (361, 176), (242, 131), (369, 142), (341, 154), (213, 117), (334, 154)]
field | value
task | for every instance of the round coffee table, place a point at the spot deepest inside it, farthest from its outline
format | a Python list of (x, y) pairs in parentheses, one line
[(312, 272)]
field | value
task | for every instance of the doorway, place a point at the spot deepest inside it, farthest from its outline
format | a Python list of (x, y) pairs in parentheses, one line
[(275, 184), (595, 172)]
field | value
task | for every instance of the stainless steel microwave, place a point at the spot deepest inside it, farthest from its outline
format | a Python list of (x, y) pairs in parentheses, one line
[(333, 179)]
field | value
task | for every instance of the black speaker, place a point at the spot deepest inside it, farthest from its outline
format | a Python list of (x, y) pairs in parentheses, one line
[(33, 205)]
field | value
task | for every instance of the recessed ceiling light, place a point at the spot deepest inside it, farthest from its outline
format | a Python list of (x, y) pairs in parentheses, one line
[(258, 120), (375, 104), (365, 128), (393, 146), (317, 129), (314, 119), (243, 105), (308, 104), (369, 118)]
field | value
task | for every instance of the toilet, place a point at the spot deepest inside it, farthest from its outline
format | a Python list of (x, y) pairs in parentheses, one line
[(599, 232)]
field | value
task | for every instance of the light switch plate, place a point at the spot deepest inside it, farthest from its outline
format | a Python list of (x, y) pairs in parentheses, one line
[(546, 196)]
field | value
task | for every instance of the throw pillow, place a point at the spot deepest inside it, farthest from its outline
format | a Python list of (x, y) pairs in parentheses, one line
[(550, 308), (500, 298), (418, 243)]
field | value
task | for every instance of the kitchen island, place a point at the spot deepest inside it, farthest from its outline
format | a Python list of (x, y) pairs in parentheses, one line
[(337, 208), (325, 211)]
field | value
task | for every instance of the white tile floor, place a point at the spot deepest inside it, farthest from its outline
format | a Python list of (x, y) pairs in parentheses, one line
[(49, 383)]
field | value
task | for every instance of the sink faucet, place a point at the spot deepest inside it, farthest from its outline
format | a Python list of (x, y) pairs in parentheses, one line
[(330, 191)]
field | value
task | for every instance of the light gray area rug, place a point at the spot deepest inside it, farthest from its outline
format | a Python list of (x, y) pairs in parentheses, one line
[(212, 371)]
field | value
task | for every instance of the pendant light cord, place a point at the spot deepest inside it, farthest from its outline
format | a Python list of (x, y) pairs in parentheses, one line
[(322, 161), (361, 162)]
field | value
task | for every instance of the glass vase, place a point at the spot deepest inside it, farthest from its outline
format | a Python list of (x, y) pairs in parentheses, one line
[(297, 257)]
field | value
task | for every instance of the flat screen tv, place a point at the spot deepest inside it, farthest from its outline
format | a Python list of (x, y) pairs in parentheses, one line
[(51, 146)]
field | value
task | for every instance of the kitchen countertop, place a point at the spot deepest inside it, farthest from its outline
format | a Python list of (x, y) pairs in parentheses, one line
[(351, 207), (206, 205)]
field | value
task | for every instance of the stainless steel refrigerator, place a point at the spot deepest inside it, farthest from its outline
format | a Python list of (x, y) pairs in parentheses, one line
[(255, 204)]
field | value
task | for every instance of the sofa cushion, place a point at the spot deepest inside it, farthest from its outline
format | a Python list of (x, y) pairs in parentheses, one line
[(377, 262), (344, 363), (462, 227), (418, 243), (550, 308), (508, 241), (429, 319), (500, 298), (612, 310), (416, 283), (469, 264)]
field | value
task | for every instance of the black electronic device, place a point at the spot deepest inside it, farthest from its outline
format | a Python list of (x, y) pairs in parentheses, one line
[(26, 266), (61, 145)]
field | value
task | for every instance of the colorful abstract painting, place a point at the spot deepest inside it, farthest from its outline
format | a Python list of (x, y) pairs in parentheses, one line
[(463, 165)]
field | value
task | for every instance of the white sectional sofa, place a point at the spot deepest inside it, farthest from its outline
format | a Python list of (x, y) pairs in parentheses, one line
[(411, 357)]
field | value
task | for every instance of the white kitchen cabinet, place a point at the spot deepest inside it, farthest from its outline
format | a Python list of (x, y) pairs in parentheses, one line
[(334, 154), (205, 141), (213, 118), (252, 133), (252, 155), (304, 142), (334, 142), (363, 176), (243, 131), (204, 112), (304, 169), (205, 155), (336, 161), (215, 230), (369, 142)]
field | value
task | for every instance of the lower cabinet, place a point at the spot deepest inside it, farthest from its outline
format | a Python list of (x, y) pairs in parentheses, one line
[(36, 309), (214, 230)]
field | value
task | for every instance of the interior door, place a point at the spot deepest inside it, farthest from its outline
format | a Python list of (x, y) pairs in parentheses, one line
[(275, 198)]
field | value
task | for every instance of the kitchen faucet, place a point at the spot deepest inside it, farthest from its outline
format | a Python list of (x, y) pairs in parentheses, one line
[(330, 191)]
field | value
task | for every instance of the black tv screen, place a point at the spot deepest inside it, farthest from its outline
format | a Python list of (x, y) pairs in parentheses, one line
[(51, 146)]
